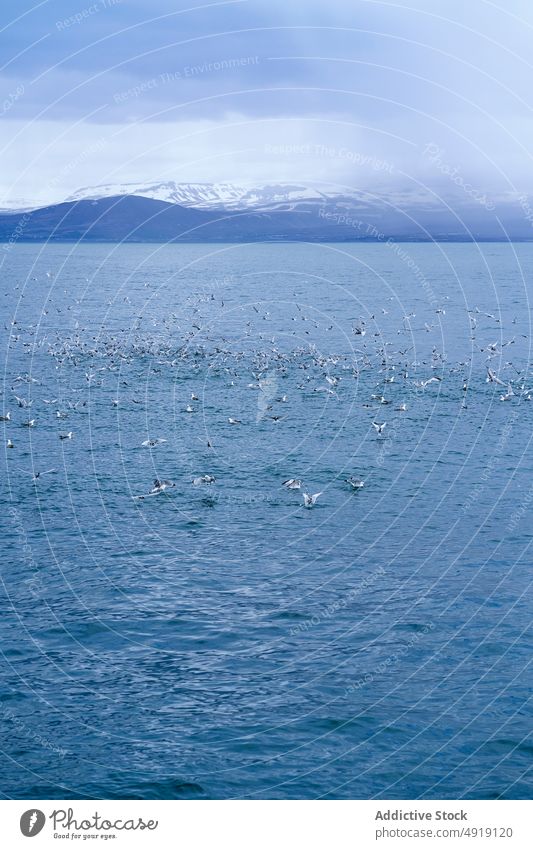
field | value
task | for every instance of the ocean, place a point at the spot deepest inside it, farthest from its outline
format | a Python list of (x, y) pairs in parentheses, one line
[(219, 639)]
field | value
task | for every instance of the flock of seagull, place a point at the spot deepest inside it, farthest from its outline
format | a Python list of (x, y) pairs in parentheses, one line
[(187, 340)]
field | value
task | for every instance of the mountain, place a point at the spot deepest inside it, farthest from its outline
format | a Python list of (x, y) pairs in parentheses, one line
[(204, 212), (140, 219), (227, 196)]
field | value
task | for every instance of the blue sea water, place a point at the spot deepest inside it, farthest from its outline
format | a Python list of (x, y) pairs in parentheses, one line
[(220, 640)]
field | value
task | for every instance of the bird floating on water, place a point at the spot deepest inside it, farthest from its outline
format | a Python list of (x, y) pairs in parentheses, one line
[(355, 483)]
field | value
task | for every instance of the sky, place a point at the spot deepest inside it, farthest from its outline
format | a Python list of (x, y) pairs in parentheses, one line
[(420, 95)]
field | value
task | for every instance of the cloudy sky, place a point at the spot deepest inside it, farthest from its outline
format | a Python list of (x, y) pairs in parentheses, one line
[(354, 93)]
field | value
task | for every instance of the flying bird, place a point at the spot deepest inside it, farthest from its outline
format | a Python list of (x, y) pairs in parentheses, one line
[(292, 483), (36, 475), (158, 487)]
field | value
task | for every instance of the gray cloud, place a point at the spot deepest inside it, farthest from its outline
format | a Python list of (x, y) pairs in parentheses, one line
[(201, 93)]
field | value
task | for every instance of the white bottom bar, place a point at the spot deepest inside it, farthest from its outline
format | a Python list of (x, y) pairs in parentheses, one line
[(268, 824)]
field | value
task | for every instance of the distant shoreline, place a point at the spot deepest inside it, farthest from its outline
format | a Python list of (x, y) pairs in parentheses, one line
[(180, 241)]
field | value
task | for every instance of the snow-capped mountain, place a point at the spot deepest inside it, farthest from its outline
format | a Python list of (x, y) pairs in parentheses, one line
[(228, 212), (213, 195)]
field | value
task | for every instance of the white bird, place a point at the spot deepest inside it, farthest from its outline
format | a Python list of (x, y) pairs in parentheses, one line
[(10, 444), (68, 435), (203, 479), (161, 485), (6, 418), (355, 483), (23, 403), (424, 383), (492, 378), (292, 483), (29, 423), (151, 443), (310, 500), (234, 421), (379, 428), (36, 475), (158, 487)]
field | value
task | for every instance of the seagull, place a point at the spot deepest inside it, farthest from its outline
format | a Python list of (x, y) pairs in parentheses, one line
[(35, 476), (29, 423), (6, 418), (492, 378), (68, 435), (151, 443), (158, 487), (379, 428), (161, 485), (509, 394), (424, 383), (402, 408), (204, 479), (234, 421), (292, 483), (10, 444), (310, 500), (23, 403), (355, 483)]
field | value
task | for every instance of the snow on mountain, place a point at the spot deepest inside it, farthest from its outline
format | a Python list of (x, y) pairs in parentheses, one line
[(212, 195), (279, 197)]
